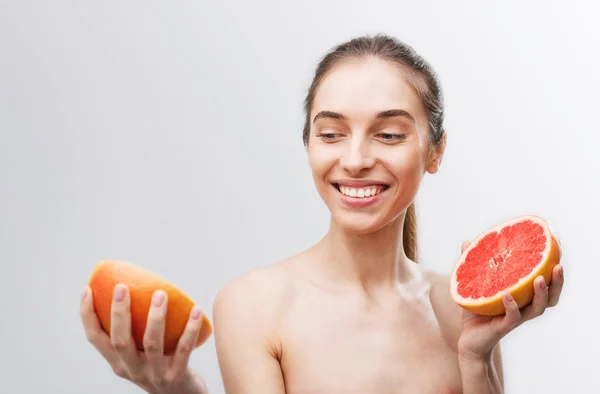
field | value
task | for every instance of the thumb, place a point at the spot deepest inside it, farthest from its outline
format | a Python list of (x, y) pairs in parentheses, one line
[(464, 246)]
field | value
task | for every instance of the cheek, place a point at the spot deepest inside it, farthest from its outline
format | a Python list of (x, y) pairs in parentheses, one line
[(406, 164), (319, 160)]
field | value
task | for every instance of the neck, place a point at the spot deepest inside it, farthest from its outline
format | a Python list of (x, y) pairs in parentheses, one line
[(371, 260)]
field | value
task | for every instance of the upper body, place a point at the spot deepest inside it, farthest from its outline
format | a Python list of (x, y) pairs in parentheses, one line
[(293, 328), (355, 313)]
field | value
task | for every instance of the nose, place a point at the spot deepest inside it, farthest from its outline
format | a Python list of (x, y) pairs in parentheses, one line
[(357, 156)]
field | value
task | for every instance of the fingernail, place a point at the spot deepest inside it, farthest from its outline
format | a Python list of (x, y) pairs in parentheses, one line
[(84, 294), (508, 297), (543, 285), (119, 294), (158, 298), (196, 312), (561, 272)]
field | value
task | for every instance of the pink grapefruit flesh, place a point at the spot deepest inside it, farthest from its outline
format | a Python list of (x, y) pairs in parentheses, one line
[(506, 257)]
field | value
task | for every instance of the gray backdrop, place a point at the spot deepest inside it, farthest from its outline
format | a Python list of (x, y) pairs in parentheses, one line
[(169, 134)]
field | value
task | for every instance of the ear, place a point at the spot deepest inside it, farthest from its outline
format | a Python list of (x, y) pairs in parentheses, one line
[(436, 155)]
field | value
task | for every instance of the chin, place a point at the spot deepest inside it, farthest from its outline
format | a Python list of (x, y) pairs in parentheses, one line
[(359, 223)]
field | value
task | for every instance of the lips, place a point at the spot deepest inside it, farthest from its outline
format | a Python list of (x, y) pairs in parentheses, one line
[(359, 193)]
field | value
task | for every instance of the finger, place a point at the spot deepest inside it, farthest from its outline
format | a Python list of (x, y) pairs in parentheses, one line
[(464, 246), (540, 300), (187, 341), (155, 331), (556, 286), (512, 318), (120, 331), (93, 330)]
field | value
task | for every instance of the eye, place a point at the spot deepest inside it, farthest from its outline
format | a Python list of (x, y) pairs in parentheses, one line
[(391, 137), (329, 137)]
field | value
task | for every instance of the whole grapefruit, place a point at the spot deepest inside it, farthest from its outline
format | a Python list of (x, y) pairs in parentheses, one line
[(508, 256), (142, 284)]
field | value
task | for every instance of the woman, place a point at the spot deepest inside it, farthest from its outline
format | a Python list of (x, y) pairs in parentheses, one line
[(354, 313)]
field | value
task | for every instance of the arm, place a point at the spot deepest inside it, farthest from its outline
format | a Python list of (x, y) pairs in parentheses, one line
[(479, 374), (483, 376), (478, 346), (247, 359)]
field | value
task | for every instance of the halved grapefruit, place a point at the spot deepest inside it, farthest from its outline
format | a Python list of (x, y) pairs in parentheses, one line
[(508, 256), (142, 284)]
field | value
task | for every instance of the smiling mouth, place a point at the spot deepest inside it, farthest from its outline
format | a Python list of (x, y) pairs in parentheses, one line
[(360, 192)]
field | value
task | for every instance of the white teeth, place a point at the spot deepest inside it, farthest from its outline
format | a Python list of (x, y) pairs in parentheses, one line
[(361, 192)]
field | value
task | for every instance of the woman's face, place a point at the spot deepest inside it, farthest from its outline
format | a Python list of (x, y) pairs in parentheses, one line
[(368, 146)]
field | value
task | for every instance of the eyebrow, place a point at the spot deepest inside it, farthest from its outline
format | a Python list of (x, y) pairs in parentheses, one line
[(390, 113)]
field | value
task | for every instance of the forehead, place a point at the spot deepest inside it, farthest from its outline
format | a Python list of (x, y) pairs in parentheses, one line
[(364, 87)]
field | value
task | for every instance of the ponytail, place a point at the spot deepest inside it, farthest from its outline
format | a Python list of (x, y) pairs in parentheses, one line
[(409, 233)]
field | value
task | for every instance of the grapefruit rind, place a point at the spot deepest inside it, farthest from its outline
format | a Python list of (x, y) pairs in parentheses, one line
[(523, 290), (102, 282)]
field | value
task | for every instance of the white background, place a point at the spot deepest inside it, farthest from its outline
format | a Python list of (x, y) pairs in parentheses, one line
[(169, 134)]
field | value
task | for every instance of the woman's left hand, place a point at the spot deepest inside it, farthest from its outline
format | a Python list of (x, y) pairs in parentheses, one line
[(480, 334)]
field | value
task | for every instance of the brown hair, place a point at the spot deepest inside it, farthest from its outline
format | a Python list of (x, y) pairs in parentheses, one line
[(421, 77)]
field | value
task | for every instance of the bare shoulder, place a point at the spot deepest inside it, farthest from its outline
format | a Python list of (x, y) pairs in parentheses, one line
[(246, 316), (440, 291), (256, 299), (255, 293), (254, 285), (448, 312)]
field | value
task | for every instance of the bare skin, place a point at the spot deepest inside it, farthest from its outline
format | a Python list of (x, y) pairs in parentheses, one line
[(309, 331), (352, 314), (328, 336)]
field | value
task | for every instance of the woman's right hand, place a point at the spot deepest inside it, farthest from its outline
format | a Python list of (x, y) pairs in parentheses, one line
[(151, 370)]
